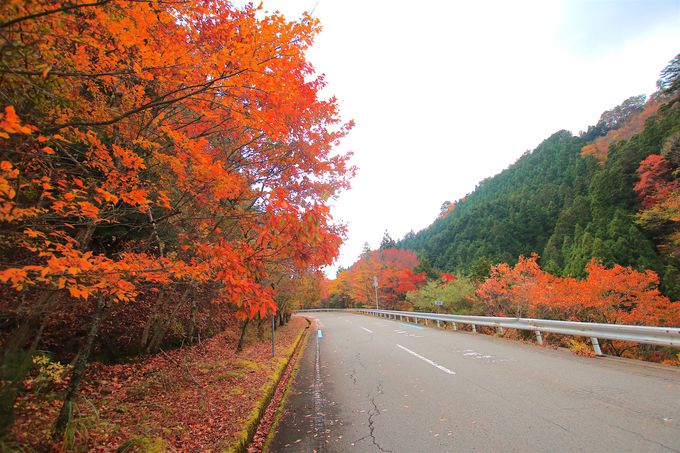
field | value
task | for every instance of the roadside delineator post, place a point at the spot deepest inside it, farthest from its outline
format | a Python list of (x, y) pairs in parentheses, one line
[(539, 338), (596, 346)]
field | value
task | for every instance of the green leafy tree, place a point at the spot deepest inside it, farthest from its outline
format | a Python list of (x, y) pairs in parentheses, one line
[(457, 297)]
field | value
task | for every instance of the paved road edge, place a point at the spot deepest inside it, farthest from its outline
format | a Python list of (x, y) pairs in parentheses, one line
[(286, 393)]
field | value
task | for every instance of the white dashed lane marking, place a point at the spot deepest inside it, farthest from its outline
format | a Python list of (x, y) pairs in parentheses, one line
[(470, 354), (403, 332), (425, 359)]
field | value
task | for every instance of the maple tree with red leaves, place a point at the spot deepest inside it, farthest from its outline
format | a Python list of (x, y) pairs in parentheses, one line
[(160, 159), (394, 269), (656, 183), (445, 277), (617, 295), (658, 190)]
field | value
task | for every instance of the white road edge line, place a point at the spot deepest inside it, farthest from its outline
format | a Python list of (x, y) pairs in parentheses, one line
[(367, 330), (434, 364)]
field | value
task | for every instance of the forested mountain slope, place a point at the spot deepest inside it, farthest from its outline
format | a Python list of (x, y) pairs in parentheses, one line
[(565, 205), (511, 213)]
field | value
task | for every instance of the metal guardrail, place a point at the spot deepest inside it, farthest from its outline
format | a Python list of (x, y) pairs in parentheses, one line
[(662, 336)]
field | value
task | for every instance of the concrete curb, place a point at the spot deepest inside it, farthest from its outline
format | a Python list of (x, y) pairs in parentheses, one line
[(248, 432)]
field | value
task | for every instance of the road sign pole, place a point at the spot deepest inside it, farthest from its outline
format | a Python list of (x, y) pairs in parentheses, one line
[(438, 303), (375, 285)]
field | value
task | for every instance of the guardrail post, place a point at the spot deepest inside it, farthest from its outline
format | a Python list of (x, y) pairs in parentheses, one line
[(415, 319), (499, 330), (596, 346), (474, 328), (539, 338), (426, 321), (455, 326), (437, 323)]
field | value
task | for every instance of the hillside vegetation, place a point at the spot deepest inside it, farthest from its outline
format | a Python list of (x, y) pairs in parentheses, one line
[(569, 206)]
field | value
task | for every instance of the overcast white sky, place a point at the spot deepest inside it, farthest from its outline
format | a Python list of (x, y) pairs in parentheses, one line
[(447, 93)]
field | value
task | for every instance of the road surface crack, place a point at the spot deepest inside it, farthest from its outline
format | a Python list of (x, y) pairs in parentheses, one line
[(644, 438), (372, 413), (357, 357), (353, 376), (353, 372)]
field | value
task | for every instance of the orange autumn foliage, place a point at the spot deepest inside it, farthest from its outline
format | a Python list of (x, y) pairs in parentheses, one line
[(196, 123), (656, 184), (619, 295), (599, 148), (658, 190), (394, 270)]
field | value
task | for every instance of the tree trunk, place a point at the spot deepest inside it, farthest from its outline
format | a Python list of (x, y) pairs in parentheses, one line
[(260, 328), (150, 321), (84, 236), (242, 339), (162, 324), (17, 361), (192, 321), (143, 342), (78, 372)]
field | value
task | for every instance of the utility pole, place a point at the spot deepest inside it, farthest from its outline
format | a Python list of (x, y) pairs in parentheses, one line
[(375, 285)]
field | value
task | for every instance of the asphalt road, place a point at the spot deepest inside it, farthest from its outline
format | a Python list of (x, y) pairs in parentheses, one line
[(370, 384)]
